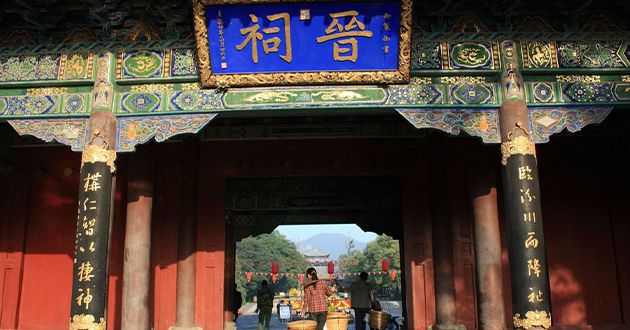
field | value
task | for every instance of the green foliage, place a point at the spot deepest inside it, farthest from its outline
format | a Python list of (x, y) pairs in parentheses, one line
[(369, 260), (254, 254)]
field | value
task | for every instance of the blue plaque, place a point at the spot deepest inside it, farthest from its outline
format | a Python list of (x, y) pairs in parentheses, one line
[(284, 43)]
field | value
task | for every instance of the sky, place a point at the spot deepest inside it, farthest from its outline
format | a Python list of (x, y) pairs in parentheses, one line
[(298, 233)]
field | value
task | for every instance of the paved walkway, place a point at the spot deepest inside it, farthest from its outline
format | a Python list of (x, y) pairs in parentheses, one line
[(249, 318), (250, 321)]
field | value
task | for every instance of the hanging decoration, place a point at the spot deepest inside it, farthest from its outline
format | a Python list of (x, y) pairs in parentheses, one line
[(275, 267), (393, 275), (385, 265), (274, 278)]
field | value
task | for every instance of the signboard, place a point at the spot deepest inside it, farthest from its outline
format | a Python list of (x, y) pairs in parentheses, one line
[(284, 312), (295, 43)]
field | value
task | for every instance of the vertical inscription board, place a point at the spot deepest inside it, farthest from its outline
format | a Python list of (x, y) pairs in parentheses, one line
[(89, 285), (295, 43)]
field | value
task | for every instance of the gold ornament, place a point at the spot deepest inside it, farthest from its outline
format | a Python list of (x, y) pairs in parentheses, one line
[(576, 78), (520, 145), (87, 322), (75, 67), (97, 154), (463, 80), (532, 319), (420, 81), (539, 54), (153, 88), (45, 91), (190, 87)]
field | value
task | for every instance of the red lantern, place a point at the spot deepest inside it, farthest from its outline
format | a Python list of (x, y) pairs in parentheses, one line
[(274, 278), (274, 267), (331, 267), (301, 278), (385, 265), (393, 275), (248, 276)]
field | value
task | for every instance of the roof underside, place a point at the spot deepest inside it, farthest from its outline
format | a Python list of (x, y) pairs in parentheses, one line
[(38, 21)]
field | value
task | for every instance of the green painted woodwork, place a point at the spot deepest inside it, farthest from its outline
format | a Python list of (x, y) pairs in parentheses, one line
[(311, 96), (446, 74)]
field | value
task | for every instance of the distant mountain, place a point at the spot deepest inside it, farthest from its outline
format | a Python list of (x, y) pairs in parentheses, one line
[(334, 244)]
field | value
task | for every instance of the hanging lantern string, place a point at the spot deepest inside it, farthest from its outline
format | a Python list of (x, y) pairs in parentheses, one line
[(298, 275)]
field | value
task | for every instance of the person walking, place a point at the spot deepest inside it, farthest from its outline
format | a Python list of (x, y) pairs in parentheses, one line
[(361, 299), (264, 301), (237, 301), (315, 293)]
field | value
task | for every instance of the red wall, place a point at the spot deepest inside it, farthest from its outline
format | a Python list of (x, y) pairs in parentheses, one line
[(37, 236), (582, 187), (585, 209)]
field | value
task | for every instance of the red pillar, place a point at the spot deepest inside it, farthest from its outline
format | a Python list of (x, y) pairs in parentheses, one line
[(483, 195), (443, 234), (137, 257), (187, 244), (420, 299), (211, 235)]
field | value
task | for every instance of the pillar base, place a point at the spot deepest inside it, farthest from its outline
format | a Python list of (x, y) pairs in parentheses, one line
[(184, 328), (447, 327)]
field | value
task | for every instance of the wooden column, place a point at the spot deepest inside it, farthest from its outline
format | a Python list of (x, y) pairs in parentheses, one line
[(530, 284), (187, 245), (89, 287), (444, 283), (137, 257), (229, 278), (446, 317), (483, 195)]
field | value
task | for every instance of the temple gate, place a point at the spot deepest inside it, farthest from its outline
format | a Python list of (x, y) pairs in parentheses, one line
[(121, 124)]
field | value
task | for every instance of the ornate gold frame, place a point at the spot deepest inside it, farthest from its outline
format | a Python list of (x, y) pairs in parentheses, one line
[(298, 78)]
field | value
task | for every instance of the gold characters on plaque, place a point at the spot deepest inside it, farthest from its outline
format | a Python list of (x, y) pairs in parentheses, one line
[(346, 45), (270, 37)]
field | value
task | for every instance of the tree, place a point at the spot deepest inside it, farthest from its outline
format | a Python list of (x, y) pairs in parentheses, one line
[(383, 247), (352, 262), (369, 260), (254, 254)]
